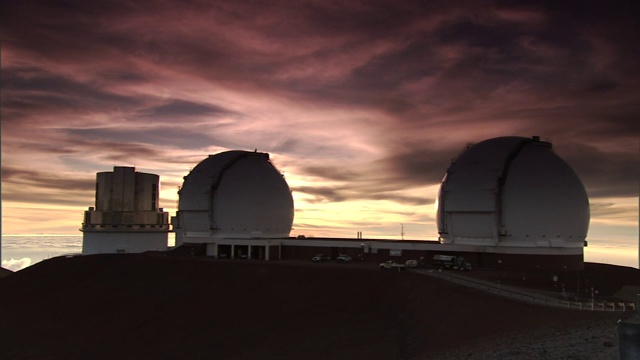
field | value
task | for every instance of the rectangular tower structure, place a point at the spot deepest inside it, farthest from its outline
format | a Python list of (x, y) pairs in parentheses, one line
[(126, 217)]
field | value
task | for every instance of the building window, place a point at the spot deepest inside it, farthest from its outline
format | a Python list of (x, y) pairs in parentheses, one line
[(154, 197), (97, 193)]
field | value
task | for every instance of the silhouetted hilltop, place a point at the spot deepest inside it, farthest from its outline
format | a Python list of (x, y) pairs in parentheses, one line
[(151, 306), (4, 272)]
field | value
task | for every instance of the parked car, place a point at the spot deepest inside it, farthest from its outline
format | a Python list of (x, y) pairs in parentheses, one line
[(411, 263), (343, 258), (391, 265), (320, 258)]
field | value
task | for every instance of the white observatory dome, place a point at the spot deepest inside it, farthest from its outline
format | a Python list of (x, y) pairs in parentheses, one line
[(234, 194), (512, 191)]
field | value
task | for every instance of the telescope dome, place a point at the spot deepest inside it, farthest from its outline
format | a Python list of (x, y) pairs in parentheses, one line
[(235, 194), (512, 191)]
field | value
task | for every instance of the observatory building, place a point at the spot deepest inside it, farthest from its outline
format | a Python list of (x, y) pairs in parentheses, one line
[(514, 195), (237, 203), (506, 203), (126, 217)]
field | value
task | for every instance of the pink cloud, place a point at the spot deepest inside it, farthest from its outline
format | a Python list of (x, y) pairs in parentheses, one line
[(390, 92)]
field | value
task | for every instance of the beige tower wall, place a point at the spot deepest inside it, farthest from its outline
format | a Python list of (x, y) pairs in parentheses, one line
[(127, 216)]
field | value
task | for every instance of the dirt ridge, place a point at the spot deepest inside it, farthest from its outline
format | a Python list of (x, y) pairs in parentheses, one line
[(150, 306)]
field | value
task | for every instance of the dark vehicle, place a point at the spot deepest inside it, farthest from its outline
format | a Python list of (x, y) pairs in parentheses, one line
[(343, 258), (451, 262), (320, 258)]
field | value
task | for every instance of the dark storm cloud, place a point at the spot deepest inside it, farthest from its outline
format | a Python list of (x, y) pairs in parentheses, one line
[(611, 210), (409, 166), (64, 31), (27, 177), (33, 89), (406, 200), (41, 187), (332, 173), (415, 168), (47, 150), (122, 76), (476, 35), (113, 151), (412, 82), (161, 125), (378, 180), (136, 138), (60, 198), (412, 54), (183, 109), (418, 167), (324, 194), (494, 53), (605, 174)]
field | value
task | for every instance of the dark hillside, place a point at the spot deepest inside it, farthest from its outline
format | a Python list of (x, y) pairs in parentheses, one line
[(154, 307), (4, 272)]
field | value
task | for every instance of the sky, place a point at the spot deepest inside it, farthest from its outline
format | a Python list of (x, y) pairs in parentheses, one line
[(361, 104)]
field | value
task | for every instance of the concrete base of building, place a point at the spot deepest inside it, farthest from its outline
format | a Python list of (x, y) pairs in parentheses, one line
[(377, 251), (112, 242)]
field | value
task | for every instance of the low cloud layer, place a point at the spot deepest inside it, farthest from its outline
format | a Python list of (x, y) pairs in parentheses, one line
[(16, 264), (365, 101)]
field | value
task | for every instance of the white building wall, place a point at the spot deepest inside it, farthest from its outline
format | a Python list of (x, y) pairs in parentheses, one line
[(123, 242), (431, 246)]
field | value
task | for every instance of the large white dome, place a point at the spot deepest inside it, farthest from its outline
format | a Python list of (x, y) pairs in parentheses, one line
[(512, 191), (234, 194)]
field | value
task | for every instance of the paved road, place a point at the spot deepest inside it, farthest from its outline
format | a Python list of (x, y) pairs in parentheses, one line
[(524, 295)]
